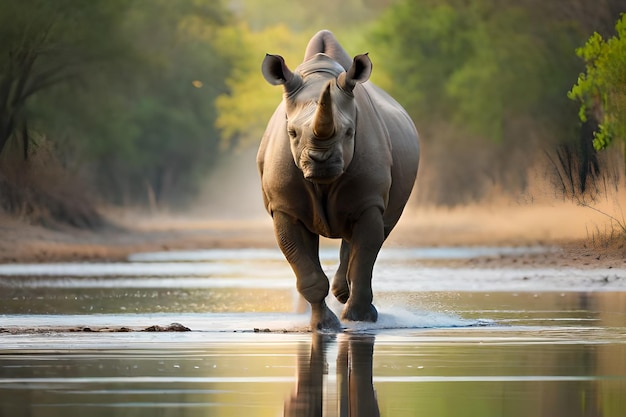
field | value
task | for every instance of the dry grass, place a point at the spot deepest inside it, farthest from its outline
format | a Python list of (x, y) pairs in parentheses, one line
[(40, 190)]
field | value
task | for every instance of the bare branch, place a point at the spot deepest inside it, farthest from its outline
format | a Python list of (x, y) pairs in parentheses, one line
[(620, 223)]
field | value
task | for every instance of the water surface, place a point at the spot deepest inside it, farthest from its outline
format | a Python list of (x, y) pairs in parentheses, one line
[(449, 342)]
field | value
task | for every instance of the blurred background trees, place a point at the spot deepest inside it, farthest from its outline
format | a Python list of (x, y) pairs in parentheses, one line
[(486, 82), (119, 96), (132, 103)]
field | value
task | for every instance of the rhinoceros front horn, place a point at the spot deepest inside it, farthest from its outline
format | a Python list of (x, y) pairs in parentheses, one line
[(324, 124)]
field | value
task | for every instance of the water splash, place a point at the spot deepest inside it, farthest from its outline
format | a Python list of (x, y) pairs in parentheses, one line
[(399, 318)]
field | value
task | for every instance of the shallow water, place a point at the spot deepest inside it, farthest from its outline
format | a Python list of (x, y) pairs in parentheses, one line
[(449, 342)]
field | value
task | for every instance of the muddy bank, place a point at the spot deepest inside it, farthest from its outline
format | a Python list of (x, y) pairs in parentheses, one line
[(174, 327)]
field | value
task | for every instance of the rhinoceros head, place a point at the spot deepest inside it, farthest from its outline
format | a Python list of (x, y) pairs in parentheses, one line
[(321, 112)]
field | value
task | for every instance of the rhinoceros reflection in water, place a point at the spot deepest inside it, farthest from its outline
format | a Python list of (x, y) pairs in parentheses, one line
[(356, 395), (338, 159)]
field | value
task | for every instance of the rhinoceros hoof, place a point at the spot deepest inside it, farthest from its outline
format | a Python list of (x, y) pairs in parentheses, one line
[(360, 313), (327, 323)]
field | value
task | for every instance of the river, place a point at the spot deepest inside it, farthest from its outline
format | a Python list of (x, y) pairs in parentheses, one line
[(450, 341)]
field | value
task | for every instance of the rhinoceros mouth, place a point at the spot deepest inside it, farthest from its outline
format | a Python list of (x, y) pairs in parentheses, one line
[(322, 174), (322, 180)]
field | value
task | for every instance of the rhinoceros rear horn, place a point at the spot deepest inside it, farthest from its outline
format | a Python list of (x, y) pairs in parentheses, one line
[(324, 123), (359, 72), (276, 72)]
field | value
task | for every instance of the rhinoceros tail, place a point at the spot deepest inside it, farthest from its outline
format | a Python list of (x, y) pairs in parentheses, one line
[(325, 42)]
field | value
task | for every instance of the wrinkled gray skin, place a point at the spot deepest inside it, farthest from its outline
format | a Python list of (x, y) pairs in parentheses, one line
[(338, 159)]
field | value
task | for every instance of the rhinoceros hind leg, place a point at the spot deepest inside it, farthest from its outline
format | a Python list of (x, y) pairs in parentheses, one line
[(340, 287), (368, 235)]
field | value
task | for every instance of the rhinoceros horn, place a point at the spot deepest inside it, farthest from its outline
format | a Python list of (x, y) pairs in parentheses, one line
[(324, 124)]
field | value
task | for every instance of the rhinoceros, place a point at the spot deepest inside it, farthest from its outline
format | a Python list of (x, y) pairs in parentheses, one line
[(339, 159)]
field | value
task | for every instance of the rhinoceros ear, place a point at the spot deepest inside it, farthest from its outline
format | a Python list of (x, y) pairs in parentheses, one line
[(359, 72), (276, 72)]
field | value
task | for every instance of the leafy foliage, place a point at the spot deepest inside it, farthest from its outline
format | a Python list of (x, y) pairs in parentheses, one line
[(47, 43), (601, 89)]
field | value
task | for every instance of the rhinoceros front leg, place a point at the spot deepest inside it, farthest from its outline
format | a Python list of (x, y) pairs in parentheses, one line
[(368, 235), (301, 249)]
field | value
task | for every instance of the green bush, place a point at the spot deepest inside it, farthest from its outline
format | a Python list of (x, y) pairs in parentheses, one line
[(601, 89)]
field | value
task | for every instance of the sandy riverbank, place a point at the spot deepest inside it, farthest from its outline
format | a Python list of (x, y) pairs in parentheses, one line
[(581, 234)]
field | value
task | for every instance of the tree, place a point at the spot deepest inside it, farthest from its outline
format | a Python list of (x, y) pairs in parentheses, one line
[(601, 89), (47, 43)]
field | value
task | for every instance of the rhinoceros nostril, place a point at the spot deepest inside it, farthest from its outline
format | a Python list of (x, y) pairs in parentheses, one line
[(319, 156)]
